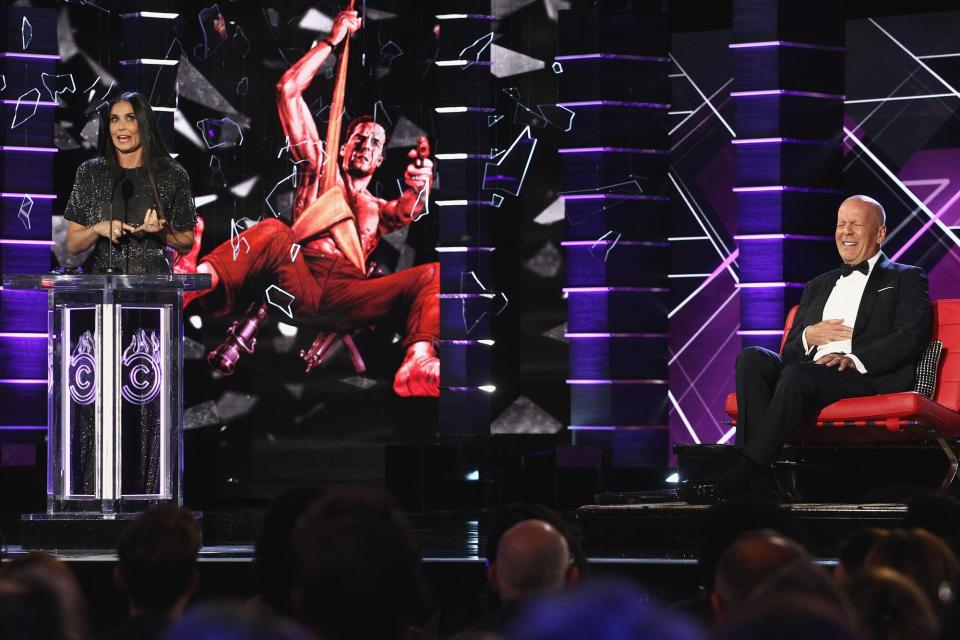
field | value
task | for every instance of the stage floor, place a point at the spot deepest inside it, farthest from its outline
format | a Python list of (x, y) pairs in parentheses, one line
[(664, 533)]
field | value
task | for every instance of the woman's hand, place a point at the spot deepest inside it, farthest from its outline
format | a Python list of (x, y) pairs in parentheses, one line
[(152, 223), (103, 228)]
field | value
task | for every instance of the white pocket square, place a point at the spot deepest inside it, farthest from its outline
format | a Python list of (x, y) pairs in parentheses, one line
[(884, 289)]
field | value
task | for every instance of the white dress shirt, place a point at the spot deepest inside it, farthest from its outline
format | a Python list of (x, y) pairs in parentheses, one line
[(843, 302)]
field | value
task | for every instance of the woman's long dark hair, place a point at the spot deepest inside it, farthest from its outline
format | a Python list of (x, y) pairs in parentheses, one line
[(151, 144), (153, 150)]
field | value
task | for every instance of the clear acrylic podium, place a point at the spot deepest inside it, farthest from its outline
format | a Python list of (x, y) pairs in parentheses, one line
[(115, 391)]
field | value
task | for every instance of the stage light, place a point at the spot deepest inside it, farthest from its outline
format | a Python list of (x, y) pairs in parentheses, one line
[(673, 478), (472, 476), (196, 322), (489, 388)]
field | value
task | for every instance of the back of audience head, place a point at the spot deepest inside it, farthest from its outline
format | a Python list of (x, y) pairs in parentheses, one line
[(601, 610), (359, 568), (920, 556), (274, 557), (890, 606), (40, 598), (157, 560), (790, 618), (854, 551), (727, 521), (752, 559), (233, 621), (939, 514), (508, 516), (532, 559)]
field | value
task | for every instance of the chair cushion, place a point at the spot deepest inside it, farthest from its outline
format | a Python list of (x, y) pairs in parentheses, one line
[(925, 382), (906, 405)]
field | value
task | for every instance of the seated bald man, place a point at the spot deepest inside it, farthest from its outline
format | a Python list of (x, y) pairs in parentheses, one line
[(533, 560), (858, 332)]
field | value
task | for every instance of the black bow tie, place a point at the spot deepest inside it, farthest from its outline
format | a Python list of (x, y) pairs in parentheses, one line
[(862, 267)]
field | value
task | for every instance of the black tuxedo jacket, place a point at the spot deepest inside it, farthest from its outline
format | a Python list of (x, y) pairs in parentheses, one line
[(892, 326)]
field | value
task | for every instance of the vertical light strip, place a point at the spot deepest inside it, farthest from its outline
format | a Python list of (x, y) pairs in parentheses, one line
[(686, 423)]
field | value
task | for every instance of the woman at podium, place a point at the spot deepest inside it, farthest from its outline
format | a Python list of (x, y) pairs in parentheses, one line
[(132, 201)]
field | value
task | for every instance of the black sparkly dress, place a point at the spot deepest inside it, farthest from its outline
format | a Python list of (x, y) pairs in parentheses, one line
[(89, 203), (135, 254)]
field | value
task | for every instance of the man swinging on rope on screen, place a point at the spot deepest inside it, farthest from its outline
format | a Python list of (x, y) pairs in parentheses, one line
[(337, 223)]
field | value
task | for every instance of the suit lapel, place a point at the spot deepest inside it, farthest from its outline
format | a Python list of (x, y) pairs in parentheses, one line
[(869, 295)]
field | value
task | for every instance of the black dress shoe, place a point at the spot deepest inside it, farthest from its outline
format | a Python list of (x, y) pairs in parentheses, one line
[(766, 486), (698, 492)]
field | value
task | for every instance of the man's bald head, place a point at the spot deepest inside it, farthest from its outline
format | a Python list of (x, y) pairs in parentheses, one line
[(752, 559), (532, 558), (861, 228), (867, 203)]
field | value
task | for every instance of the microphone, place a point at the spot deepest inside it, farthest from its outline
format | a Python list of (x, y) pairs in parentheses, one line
[(116, 174)]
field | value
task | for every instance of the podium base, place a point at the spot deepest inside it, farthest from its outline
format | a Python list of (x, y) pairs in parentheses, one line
[(66, 532)]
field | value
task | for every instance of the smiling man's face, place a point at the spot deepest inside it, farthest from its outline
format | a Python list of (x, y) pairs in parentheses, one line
[(859, 230)]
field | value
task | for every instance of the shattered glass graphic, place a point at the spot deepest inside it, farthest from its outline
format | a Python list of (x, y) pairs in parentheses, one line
[(193, 350), (57, 84), (236, 240), (525, 416), (22, 106), (558, 333), (546, 262), (557, 67), (233, 405), (507, 62), (509, 172), (472, 52), (201, 415), (26, 32), (218, 133), (280, 198), (360, 382), (477, 301), (26, 206), (243, 87), (604, 245), (554, 213), (280, 299)]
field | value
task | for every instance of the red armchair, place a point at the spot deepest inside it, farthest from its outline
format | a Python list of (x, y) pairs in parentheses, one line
[(904, 416)]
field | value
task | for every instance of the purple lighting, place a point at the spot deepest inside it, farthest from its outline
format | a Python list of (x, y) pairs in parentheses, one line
[(35, 196), (26, 242), (615, 103), (608, 289), (781, 236), (628, 243), (657, 152), (760, 332), (781, 187), (786, 92), (825, 143), (769, 285), (30, 149), (39, 103), (29, 56), (610, 196), (611, 56), (635, 427), (612, 335), (784, 43), (23, 381), (22, 334), (606, 382)]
